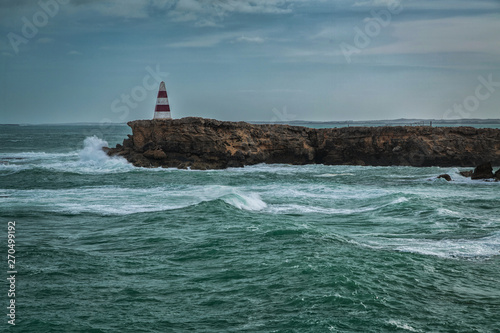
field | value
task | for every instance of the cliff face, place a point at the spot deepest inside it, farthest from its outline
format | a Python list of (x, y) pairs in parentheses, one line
[(210, 144)]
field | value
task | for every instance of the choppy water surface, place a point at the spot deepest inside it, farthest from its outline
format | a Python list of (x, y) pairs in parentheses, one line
[(104, 246)]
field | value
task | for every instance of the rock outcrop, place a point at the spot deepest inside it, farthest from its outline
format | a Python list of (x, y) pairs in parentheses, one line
[(483, 171), (200, 143)]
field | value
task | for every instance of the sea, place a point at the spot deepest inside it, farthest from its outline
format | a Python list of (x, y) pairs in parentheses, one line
[(103, 246)]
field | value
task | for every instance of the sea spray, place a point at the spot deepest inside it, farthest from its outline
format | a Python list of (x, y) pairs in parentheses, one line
[(92, 150), (92, 158)]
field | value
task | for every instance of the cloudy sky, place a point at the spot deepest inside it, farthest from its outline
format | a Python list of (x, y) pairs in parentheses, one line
[(320, 60)]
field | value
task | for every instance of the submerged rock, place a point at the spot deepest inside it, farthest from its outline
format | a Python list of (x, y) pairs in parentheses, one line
[(467, 174), (200, 143), (445, 176)]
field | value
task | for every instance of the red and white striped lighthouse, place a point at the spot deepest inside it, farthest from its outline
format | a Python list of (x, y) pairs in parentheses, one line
[(162, 109)]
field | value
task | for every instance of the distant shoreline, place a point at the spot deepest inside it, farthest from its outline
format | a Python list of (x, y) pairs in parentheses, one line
[(381, 122), (390, 122)]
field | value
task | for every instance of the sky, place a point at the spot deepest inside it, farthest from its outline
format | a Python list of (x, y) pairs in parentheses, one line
[(64, 61)]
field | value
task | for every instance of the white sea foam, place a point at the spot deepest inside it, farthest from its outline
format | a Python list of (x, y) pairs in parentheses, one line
[(311, 208), (8, 169), (33, 156), (112, 209), (396, 201), (102, 200), (327, 175), (402, 325), (92, 150), (302, 209), (480, 248), (108, 200), (449, 212), (250, 201), (457, 248), (323, 192), (91, 159), (236, 197)]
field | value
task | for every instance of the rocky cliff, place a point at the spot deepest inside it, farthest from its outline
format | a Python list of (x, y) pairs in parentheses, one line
[(201, 143)]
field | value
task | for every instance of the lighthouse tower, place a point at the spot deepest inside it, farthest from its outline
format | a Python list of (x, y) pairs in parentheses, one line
[(162, 109)]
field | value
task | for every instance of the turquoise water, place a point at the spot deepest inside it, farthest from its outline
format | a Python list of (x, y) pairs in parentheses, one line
[(103, 246)]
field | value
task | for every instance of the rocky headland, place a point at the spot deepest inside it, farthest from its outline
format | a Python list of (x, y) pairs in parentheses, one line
[(200, 143)]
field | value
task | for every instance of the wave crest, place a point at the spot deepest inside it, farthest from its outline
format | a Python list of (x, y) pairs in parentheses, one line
[(90, 159), (92, 150), (250, 201)]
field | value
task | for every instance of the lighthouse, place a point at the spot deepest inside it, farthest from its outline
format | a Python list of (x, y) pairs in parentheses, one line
[(162, 109)]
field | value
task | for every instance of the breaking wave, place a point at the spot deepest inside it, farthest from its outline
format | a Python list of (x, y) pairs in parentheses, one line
[(90, 159), (108, 200)]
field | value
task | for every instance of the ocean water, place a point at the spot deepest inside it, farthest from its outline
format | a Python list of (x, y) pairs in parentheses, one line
[(102, 246)]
